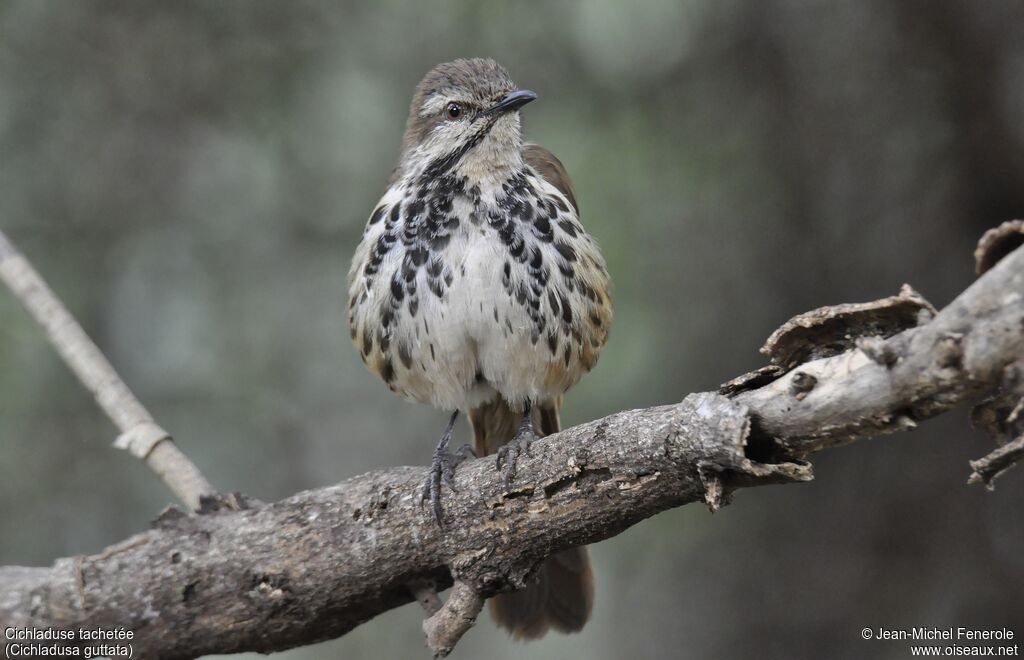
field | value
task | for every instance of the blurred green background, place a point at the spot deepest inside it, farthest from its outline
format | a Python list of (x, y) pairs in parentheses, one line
[(192, 178)]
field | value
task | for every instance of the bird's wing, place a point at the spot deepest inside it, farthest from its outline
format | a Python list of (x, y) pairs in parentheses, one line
[(552, 170)]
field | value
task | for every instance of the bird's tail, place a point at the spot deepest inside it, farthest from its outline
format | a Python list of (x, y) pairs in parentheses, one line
[(564, 593)]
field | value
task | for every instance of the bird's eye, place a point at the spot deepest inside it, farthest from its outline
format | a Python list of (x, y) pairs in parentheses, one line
[(453, 111)]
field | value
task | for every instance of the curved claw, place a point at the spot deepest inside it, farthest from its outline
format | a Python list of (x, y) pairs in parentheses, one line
[(442, 468), (509, 452), (451, 461)]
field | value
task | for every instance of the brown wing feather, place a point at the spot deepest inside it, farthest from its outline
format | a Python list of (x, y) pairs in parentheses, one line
[(551, 169)]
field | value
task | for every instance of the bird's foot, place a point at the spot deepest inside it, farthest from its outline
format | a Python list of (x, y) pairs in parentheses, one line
[(442, 468), (509, 452)]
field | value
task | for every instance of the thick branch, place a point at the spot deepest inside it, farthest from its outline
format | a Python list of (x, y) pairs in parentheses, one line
[(321, 562), (318, 564), (140, 435)]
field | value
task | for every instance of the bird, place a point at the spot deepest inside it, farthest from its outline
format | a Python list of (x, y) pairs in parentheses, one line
[(475, 289)]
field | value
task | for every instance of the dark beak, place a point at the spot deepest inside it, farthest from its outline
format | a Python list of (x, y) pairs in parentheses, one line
[(511, 101)]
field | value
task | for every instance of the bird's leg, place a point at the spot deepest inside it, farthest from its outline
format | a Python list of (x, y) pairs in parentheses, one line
[(519, 444), (442, 466)]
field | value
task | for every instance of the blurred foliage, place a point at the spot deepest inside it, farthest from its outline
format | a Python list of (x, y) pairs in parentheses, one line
[(191, 177)]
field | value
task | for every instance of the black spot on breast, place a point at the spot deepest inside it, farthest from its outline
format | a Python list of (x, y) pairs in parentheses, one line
[(521, 293), (553, 342), (397, 290), (542, 228), (367, 343), (566, 310), (404, 355), (417, 256), (410, 233), (414, 210), (440, 241), (523, 210), (586, 290), (566, 250), (516, 246), (569, 227), (535, 257), (378, 213), (441, 203), (380, 250), (414, 306), (396, 212), (388, 372), (511, 238)]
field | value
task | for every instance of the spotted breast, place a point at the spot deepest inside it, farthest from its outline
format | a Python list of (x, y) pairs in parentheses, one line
[(464, 289)]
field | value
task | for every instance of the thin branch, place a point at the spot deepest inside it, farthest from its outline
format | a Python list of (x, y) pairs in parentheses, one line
[(140, 435), (322, 562), (446, 627), (987, 468)]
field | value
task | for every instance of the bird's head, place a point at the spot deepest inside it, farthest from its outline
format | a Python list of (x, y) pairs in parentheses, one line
[(464, 117)]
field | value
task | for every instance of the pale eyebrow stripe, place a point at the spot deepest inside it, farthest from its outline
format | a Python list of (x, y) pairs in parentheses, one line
[(433, 105), (437, 101)]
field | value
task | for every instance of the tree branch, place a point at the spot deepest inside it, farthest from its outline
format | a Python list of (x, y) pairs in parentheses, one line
[(444, 628), (140, 435), (316, 565)]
